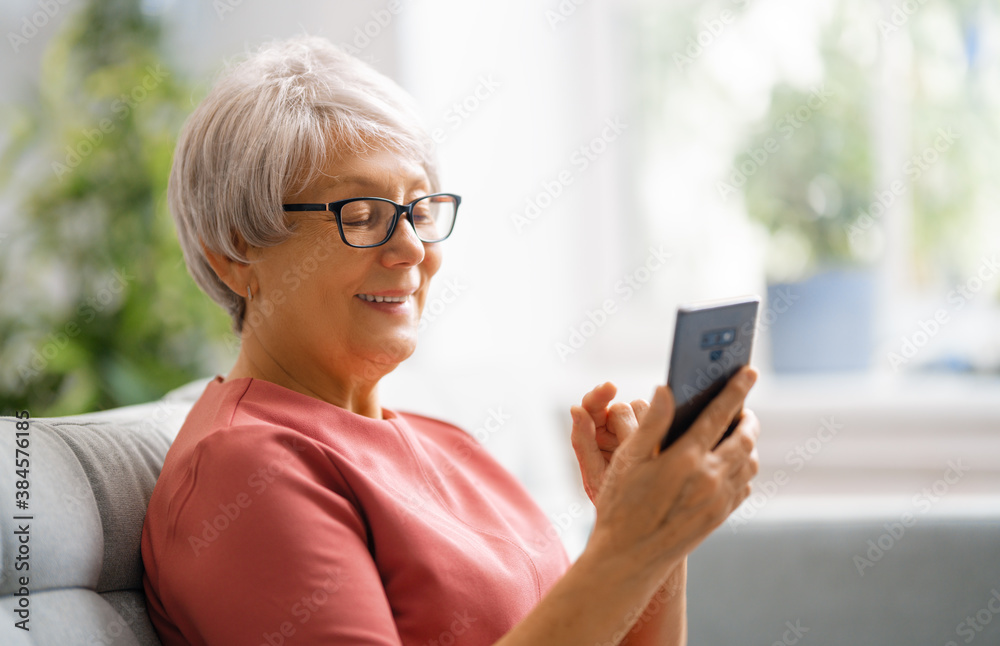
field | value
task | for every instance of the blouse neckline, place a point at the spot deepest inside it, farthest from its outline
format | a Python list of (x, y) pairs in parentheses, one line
[(300, 399)]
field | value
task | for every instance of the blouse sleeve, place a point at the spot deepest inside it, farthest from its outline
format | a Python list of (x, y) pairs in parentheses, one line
[(269, 548)]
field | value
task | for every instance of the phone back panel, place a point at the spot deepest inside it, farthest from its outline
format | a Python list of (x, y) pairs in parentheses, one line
[(711, 343)]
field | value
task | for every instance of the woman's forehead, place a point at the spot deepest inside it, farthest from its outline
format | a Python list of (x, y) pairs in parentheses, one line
[(378, 169), (380, 173)]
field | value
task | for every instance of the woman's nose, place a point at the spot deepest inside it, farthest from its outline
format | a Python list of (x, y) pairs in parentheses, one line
[(405, 243)]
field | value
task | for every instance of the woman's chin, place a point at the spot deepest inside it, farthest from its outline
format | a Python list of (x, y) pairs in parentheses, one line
[(391, 349)]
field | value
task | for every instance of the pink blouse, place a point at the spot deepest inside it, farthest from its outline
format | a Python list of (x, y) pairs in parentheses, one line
[(282, 519)]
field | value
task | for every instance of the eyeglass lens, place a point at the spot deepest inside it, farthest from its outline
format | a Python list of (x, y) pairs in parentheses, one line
[(367, 222)]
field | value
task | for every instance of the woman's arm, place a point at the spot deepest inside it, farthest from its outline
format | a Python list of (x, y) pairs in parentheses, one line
[(593, 604), (652, 510), (664, 620)]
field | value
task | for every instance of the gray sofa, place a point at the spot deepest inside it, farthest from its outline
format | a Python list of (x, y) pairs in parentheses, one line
[(796, 581), (90, 477), (786, 577)]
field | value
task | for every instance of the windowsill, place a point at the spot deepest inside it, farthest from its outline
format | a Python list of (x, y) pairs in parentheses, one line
[(833, 435), (965, 398)]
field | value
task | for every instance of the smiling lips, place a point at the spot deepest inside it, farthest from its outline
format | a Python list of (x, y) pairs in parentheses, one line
[(383, 299)]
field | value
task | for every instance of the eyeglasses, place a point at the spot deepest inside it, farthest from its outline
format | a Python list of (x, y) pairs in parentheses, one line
[(370, 221)]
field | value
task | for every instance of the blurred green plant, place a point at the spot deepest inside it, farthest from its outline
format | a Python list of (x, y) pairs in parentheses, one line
[(811, 190), (99, 310), (819, 196), (953, 83), (807, 168)]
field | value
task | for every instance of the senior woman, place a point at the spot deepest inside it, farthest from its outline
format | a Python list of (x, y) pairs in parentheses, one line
[(292, 507)]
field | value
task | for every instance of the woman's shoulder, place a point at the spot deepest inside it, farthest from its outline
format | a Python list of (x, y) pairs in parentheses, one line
[(219, 421)]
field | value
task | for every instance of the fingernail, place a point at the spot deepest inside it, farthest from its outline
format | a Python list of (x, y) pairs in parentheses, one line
[(572, 413)]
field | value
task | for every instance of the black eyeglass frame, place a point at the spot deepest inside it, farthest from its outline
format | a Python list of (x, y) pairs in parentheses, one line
[(401, 209)]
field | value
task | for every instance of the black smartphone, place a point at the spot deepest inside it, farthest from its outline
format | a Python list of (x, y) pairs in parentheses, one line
[(712, 341)]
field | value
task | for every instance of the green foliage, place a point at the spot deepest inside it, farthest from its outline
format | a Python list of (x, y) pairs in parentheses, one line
[(99, 308), (954, 76), (822, 185), (812, 190)]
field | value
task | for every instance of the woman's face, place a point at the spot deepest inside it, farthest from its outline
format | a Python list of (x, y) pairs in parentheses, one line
[(323, 322)]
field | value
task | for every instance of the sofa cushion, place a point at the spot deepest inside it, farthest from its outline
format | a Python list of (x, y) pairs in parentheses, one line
[(91, 477), (849, 572)]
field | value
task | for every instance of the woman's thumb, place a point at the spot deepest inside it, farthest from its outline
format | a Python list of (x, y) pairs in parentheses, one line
[(645, 442)]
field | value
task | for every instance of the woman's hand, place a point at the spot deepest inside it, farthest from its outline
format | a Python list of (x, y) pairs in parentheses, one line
[(653, 508), (657, 507), (599, 429)]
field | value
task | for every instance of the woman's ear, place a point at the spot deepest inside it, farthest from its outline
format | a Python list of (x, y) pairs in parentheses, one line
[(235, 274)]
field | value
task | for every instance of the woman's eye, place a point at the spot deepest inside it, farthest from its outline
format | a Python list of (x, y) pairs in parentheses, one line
[(423, 211), (358, 214)]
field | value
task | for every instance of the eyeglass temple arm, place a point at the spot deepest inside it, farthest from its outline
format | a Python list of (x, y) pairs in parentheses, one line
[(305, 207)]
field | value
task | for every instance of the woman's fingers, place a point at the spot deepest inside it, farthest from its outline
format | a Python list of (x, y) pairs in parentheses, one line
[(639, 408), (715, 419), (738, 454), (621, 424), (645, 442), (675, 500), (588, 454), (596, 401), (743, 441)]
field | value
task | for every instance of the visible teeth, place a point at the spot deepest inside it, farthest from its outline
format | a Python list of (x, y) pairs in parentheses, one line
[(383, 299)]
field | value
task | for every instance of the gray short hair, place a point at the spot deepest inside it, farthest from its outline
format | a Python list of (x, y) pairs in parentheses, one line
[(266, 129)]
